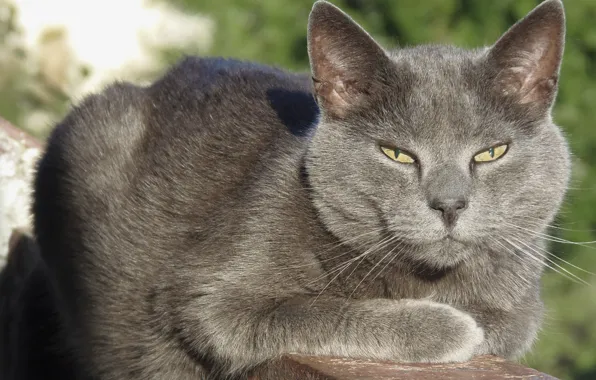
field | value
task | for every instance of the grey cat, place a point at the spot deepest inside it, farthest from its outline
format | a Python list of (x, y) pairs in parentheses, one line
[(232, 212)]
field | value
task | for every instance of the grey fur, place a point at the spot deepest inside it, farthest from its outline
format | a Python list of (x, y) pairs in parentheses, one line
[(197, 225)]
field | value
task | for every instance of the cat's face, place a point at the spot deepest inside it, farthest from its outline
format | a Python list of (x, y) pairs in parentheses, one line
[(433, 152)]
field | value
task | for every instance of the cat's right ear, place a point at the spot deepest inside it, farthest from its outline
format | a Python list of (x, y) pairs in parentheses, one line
[(344, 59)]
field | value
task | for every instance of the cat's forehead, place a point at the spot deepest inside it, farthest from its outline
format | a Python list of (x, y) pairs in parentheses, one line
[(444, 94), (437, 73)]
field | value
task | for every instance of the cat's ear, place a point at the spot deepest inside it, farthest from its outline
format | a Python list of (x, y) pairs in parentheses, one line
[(527, 58), (344, 59)]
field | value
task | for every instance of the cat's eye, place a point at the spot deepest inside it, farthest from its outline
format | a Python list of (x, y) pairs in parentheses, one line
[(398, 155), (491, 154)]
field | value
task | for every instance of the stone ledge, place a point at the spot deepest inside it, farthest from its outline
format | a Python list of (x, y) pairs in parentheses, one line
[(18, 154)]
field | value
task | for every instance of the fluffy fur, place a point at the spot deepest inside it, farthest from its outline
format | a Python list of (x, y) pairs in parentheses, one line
[(232, 212)]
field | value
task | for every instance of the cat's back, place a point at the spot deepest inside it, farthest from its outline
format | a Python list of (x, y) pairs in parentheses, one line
[(178, 147), (167, 156), (207, 117)]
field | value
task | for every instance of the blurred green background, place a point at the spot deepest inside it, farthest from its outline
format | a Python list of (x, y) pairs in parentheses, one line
[(274, 32)]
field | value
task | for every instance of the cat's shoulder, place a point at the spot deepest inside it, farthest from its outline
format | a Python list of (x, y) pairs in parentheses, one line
[(231, 90), (199, 102)]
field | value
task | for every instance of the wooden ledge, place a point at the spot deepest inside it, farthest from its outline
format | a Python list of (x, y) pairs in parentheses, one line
[(295, 367)]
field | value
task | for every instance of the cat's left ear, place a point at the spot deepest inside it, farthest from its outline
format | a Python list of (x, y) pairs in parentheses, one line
[(345, 60), (527, 58)]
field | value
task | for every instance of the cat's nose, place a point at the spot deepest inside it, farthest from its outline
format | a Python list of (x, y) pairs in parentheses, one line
[(449, 208)]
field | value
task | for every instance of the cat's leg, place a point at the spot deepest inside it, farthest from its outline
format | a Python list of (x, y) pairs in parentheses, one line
[(247, 329)]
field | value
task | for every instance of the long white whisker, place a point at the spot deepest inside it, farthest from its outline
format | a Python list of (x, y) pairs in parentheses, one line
[(385, 244), (336, 245), (568, 274), (371, 270), (512, 251), (538, 222), (401, 244), (551, 261), (554, 238), (361, 257), (548, 253)]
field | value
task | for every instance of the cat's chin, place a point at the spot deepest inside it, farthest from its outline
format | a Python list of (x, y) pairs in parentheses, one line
[(448, 252)]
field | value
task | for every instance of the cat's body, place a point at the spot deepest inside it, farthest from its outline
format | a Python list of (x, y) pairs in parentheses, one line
[(218, 218)]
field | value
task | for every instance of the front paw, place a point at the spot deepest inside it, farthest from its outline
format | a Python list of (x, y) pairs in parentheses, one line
[(441, 333)]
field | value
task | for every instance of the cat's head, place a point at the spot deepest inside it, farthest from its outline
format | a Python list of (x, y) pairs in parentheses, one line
[(440, 148)]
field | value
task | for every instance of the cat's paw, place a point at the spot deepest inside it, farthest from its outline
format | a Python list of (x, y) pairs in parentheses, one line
[(445, 334)]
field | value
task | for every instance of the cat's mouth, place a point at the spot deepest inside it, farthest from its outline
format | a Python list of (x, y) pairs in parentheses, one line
[(450, 237), (451, 240)]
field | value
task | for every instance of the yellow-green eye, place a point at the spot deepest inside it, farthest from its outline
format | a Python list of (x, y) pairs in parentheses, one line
[(491, 154), (397, 155)]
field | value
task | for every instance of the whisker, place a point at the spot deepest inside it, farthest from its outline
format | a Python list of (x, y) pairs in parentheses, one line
[(557, 269), (557, 265), (401, 244), (536, 222), (512, 251), (554, 238), (546, 253), (530, 255), (340, 271), (347, 263), (335, 245), (390, 240), (371, 270), (337, 267), (361, 257)]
